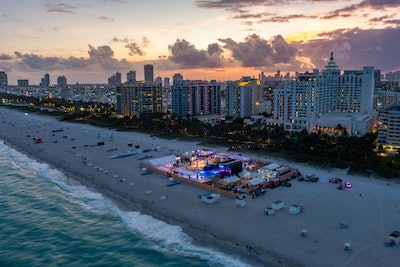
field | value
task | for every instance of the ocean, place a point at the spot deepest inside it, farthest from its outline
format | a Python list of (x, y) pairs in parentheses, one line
[(48, 220)]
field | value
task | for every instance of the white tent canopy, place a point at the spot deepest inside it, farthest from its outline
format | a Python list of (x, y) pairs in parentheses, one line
[(271, 166), (161, 161), (256, 181), (231, 179)]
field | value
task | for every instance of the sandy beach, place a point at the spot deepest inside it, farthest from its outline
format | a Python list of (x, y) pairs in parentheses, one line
[(370, 207)]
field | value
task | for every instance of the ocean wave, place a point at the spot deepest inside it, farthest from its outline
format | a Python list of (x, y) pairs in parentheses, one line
[(165, 237)]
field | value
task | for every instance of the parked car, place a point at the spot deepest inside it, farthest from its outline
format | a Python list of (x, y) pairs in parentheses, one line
[(286, 183), (308, 177), (389, 242), (335, 180), (347, 184), (275, 183), (340, 187), (258, 192), (314, 179)]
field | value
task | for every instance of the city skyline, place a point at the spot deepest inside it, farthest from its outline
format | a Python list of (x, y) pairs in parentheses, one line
[(216, 39)]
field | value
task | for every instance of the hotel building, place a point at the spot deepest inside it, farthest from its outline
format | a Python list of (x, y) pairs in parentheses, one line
[(195, 97), (139, 98), (243, 97), (389, 128), (321, 101)]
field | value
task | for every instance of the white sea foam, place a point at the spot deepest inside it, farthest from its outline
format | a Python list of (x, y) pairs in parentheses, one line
[(166, 237)]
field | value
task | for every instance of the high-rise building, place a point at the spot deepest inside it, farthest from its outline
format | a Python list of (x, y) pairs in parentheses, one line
[(45, 81), (61, 82), (195, 97), (138, 99), (179, 96), (166, 82), (282, 104), (131, 77), (204, 98), (3, 79), (320, 101), (65, 91), (389, 128), (158, 80), (23, 83), (148, 73), (356, 90), (304, 97), (243, 97), (115, 79)]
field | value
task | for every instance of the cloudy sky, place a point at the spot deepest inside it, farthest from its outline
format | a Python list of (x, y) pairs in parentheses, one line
[(89, 40)]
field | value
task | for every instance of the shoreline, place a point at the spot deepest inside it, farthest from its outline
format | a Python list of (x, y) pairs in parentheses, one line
[(275, 238)]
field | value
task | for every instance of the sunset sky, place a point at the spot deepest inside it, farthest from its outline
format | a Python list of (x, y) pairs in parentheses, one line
[(89, 40)]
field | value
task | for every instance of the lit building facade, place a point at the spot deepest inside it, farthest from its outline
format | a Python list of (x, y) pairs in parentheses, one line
[(139, 98), (195, 97), (282, 104), (319, 101), (356, 90), (179, 97), (243, 97), (389, 128)]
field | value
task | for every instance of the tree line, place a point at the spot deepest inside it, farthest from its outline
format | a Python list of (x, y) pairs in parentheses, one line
[(358, 153)]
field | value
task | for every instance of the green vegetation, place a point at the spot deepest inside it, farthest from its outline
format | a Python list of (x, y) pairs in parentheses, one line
[(339, 150)]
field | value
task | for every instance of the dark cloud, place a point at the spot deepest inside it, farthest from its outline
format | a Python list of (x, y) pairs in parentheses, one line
[(103, 57), (188, 56), (379, 4), (5, 57), (245, 15), (134, 47), (258, 52), (104, 18), (386, 20), (238, 4), (5, 67), (380, 19), (393, 21), (282, 19), (351, 10), (100, 58), (61, 7), (345, 12), (243, 9), (355, 48)]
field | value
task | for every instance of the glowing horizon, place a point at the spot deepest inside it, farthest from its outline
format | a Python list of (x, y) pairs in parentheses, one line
[(89, 42)]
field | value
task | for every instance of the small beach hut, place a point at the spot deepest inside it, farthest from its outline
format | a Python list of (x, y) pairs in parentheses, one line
[(240, 201), (269, 211), (210, 198), (277, 205), (294, 209)]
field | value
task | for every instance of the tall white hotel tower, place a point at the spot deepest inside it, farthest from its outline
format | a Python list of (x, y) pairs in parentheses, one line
[(320, 102)]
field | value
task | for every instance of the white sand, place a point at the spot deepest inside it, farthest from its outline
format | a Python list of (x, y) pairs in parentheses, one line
[(276, 239)]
